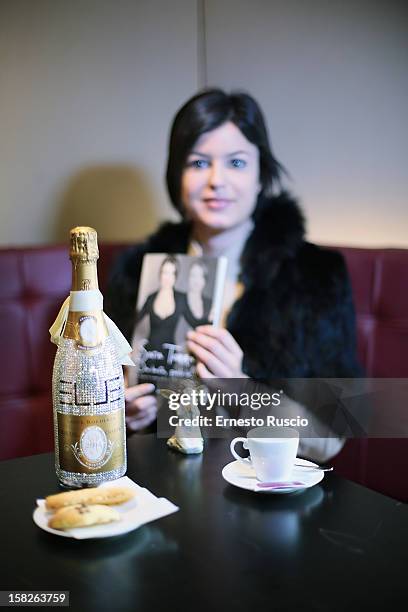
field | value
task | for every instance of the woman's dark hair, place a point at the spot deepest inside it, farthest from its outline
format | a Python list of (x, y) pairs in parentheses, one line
[(170, 259), (205, 112)]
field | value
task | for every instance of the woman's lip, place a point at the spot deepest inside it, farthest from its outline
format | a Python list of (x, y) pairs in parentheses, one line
[(217, 203)]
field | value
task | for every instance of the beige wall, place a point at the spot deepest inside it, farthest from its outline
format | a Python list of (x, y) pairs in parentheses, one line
[(332, 78), (88, 88)]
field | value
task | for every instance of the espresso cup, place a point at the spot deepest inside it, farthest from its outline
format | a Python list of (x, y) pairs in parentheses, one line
[(272, 452)]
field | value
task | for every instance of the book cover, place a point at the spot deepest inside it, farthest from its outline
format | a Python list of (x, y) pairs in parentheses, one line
[(176, 293)]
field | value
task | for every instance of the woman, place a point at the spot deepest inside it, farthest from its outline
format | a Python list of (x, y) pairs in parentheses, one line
[(198, 303), (288, 302), (165, 307)]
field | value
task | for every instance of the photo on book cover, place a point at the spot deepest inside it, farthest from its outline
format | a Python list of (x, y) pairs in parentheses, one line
[(176, 293)]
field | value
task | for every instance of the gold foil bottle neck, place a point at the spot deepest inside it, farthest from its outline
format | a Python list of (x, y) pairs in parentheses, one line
[(84, 245)]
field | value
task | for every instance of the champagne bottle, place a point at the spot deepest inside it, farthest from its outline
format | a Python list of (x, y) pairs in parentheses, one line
[(87, 386)]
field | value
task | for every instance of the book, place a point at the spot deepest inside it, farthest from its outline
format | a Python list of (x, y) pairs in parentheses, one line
[(176, 293)]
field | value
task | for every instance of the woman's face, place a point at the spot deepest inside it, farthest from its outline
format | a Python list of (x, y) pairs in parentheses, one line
[(196, 278), (220, 183), (168, 275)]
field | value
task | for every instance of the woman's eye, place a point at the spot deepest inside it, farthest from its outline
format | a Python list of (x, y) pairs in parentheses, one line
[(198, 163), (238, 163)]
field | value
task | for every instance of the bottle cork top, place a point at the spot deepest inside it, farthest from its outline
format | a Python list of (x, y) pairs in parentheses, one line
[(84, 244)]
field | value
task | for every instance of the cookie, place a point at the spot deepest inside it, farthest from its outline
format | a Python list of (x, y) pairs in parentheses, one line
[(83, 516), (97, 495)]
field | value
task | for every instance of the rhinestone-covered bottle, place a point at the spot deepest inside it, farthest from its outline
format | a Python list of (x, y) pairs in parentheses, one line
[(87, 385)]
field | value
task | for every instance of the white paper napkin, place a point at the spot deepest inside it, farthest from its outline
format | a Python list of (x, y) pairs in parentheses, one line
[(143, 508)]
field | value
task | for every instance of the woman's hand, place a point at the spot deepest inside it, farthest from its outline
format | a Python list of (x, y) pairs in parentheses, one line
[(217, 352), (141, 406)]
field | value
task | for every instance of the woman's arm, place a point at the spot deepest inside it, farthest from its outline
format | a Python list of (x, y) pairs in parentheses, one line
[(184, 310), (335, 353), (146, 309)]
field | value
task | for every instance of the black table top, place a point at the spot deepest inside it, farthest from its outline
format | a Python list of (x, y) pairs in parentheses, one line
[(335, 546)]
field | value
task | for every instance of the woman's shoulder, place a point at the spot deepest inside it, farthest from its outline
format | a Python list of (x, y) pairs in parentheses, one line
[(323, 268), (179, 297), (278, 243), (321, 259), (150, 298), (169, 238)]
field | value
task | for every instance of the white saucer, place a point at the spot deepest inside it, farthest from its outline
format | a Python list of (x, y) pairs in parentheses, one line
[(243, 476), (145, 507)]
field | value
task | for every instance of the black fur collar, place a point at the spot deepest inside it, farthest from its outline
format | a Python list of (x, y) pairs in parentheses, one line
[(277, 235)]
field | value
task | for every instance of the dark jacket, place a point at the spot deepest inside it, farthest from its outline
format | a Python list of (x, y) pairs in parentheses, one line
[(295, 318)]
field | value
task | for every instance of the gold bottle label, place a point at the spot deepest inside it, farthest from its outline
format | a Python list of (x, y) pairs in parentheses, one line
[(88, 329), (91, 444)]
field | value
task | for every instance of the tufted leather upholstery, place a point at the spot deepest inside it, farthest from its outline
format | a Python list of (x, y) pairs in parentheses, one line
[(379, 278), (35, 281), (380, 286)]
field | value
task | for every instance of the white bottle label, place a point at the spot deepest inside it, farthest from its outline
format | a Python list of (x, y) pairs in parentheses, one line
[(81, 301)]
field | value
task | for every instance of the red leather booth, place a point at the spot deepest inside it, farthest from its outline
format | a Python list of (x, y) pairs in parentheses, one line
[(35, 281)]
